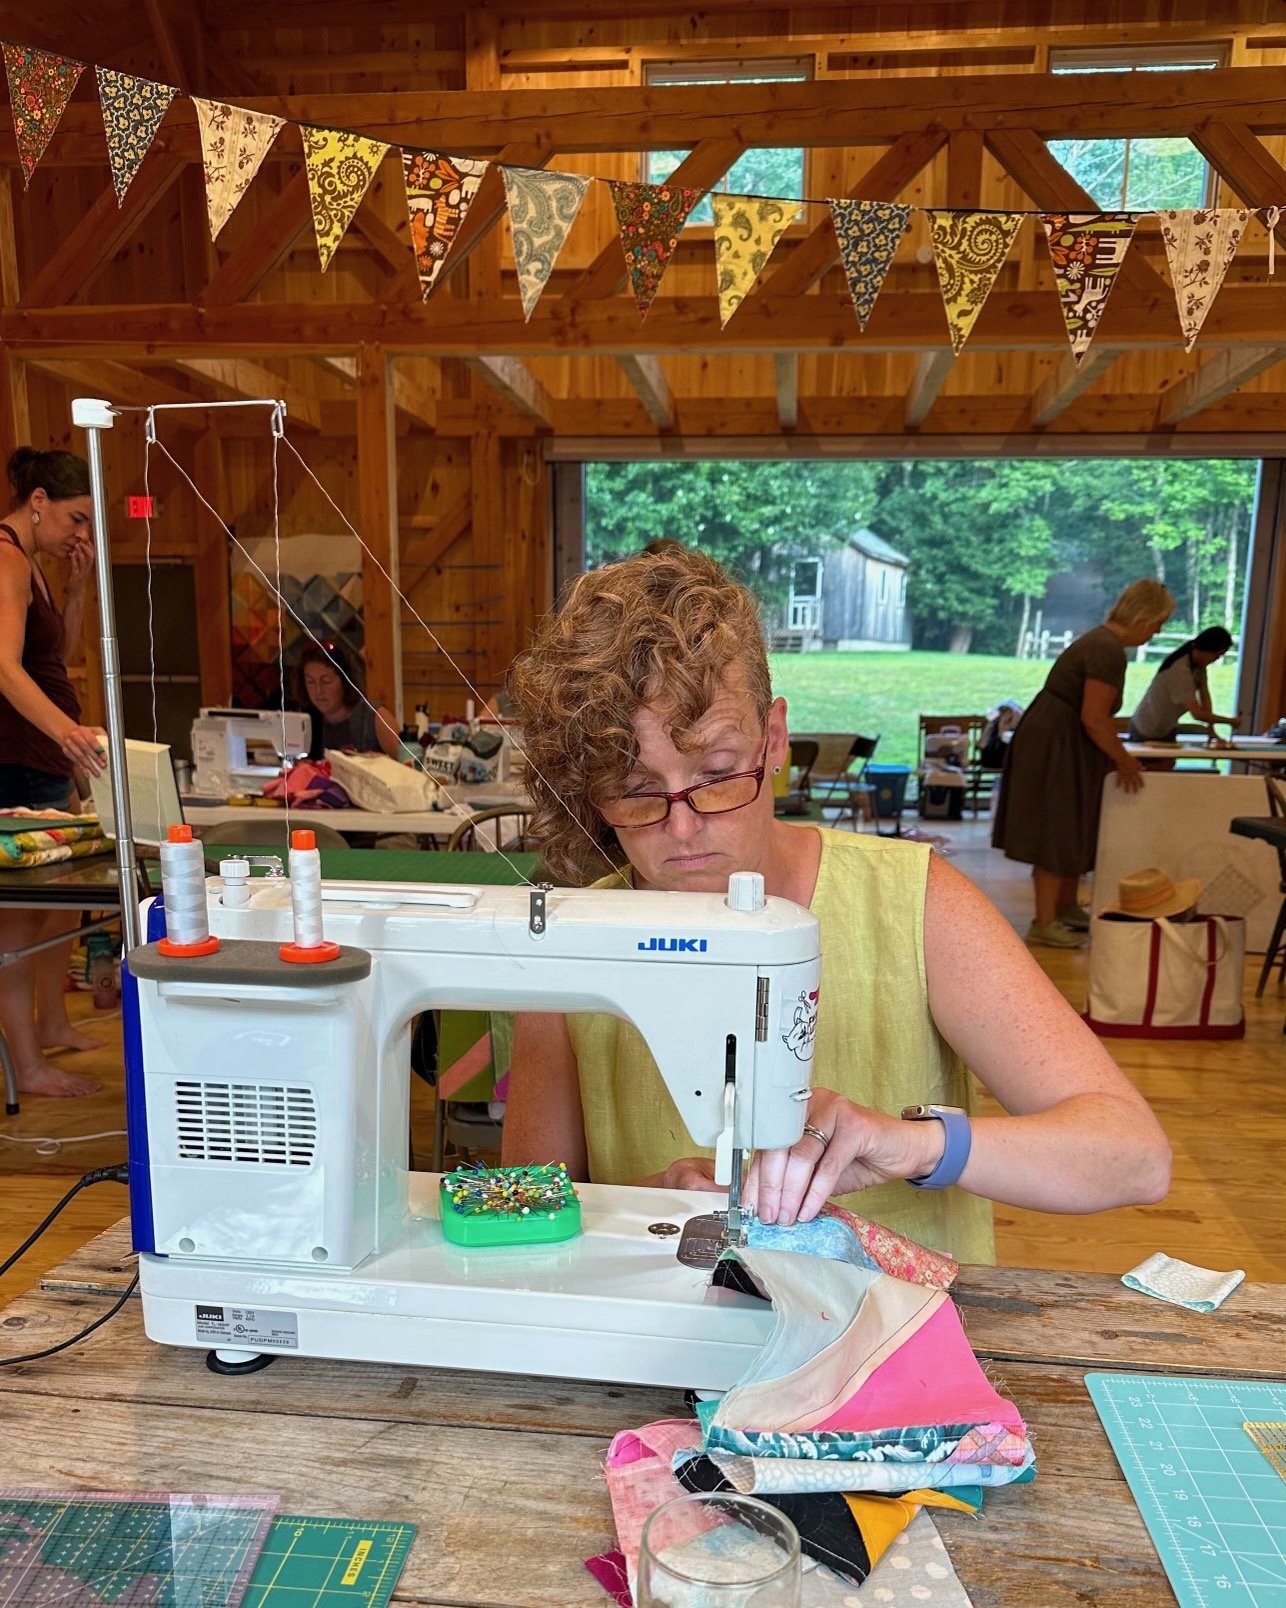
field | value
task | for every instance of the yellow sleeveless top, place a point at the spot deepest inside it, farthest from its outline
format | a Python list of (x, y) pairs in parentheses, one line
[(876, 1042)]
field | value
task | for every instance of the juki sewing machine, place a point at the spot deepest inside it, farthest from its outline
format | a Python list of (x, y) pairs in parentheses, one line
[(268, 1111), (238, 750)]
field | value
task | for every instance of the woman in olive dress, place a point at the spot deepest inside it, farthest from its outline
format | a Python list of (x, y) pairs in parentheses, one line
[(1051, 791)]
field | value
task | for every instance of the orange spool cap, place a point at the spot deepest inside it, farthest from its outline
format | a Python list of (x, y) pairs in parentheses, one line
[(302, 837)]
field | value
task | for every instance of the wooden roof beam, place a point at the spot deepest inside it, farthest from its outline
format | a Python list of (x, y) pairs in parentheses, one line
[(903, 162), (518, 385), (1240, 159), (703, 166), (1068, 381), (651, 387), (930, 376), (275, 237), (410, 395), (786, 383), (1218, 377), (1028, 160), (239, 377), (165, 34), (85, 250), (119, 382)]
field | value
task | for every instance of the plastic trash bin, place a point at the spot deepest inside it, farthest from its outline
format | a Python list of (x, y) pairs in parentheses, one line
[(888, 785)]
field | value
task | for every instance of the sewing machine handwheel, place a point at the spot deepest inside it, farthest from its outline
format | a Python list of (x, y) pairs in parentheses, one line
[(215, 1363)]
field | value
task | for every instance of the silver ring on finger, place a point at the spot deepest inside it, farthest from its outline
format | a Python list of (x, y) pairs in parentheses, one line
[(823, 1138)]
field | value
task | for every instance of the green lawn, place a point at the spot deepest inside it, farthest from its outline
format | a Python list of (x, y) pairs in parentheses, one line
[(886, 693)]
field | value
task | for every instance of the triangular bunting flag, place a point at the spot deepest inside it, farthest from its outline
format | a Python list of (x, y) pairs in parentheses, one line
[(650, 218), (1087, 250), (340, 168), (234, 143), (542, 208), (746, 231), (40, 86), (132, 113), (970, 250), (439, 192), (1200, 246), (868, 233)]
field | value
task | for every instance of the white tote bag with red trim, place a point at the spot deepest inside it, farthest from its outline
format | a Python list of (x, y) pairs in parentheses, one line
[(1167, 979)]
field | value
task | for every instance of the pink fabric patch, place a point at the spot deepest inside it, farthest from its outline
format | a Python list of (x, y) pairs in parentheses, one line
[(895, 1253), (639, 1478), (933, 1378), (609, 1570)]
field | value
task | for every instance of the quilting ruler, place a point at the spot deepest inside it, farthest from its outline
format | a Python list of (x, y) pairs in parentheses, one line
[(309, 1562), (1214, 1505), (79, 1549)]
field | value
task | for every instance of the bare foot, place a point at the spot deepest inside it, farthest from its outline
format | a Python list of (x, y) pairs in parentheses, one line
[(63, 1036), (49, 1080)]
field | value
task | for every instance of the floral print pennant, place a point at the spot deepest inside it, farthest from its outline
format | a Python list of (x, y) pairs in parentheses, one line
[(650, 218), (40, 85), (132, 113), (542, 209), (867, 233), (234, 143)]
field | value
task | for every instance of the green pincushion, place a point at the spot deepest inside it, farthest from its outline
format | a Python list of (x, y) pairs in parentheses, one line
[(509, 1205)]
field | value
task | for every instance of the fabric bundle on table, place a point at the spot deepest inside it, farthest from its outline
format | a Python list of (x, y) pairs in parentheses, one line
[(51, 836), (865, 1405)]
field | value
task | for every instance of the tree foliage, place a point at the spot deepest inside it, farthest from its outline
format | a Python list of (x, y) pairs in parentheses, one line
[(984, 537)]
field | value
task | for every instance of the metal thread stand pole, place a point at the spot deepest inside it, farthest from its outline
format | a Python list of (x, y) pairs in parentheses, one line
[(94, 416)]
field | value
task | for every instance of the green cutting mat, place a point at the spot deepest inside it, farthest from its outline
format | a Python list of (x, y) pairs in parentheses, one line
[(325, 1563)]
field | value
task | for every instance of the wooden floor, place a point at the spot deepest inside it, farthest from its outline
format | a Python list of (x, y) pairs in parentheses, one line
[(1222, 1105)]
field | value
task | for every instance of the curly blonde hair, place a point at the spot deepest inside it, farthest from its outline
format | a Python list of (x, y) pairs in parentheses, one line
[(665, 625)]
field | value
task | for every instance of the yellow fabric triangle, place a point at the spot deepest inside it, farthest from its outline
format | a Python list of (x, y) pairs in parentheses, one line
[(970, 249), (746, 231), (340, 168), (234, 143), (881, 1519)]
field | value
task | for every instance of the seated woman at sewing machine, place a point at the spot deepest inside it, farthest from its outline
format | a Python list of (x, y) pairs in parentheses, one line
[(342, 717), (650, 725)]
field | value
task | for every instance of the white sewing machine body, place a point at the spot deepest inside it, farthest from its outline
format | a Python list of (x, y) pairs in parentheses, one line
[(269, 1109), (238, 750)]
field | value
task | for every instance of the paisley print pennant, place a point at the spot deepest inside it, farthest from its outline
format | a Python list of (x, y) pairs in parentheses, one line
[(340, 168), (542, 209), (132, 113), (970, 249), (1200, 246), (650, 218), (40, 85), (868, 233), (1087, 250), (746, 231), (234, 143), (439, 192)]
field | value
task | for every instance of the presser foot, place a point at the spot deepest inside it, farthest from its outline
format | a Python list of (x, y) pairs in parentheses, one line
[(238, 1362), (706, 1238)]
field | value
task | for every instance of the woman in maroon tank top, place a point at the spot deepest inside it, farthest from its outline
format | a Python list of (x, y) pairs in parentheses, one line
[(41, 736)]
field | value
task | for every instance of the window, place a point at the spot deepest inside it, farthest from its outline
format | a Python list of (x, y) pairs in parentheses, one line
[(884, 585), (806, 578), (1137, 174), (772, 170), (902, 589)]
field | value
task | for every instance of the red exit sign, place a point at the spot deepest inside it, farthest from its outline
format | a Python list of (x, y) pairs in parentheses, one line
[(141, 507)]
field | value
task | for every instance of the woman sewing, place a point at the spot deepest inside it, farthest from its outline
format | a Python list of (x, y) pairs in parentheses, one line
[(647, 698), (342, 717), (1180, 688)]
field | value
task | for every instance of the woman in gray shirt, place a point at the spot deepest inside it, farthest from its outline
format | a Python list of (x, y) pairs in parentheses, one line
[(1179, 688)]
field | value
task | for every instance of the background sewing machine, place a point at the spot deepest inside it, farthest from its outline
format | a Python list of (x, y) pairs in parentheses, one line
[(268, 1112), (238, 750)]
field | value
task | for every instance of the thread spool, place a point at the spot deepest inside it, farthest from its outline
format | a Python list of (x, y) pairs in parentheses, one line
[(310, 946), (187, 922), (236, 883)]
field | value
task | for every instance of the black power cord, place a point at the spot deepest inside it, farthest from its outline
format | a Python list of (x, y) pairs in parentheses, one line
[(99, 1175)]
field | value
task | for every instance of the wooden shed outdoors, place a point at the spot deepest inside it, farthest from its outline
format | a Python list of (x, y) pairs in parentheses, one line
[(451, 431)]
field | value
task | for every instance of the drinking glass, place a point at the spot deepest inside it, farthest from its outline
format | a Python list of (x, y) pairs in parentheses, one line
[(718, 1550)]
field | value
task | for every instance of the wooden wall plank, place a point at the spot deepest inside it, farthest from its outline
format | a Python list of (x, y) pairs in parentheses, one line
[(377, 507)]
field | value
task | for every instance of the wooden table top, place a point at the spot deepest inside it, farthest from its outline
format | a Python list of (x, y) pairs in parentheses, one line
[(503, 1474)]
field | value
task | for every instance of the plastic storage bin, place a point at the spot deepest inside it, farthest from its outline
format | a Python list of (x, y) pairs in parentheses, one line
[(888, 784)]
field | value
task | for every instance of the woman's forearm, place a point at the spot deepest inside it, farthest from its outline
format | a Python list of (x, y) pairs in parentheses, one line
[(1087, 1154), (73, 616)]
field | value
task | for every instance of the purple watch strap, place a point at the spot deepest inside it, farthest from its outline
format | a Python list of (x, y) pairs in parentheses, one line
[(954, 1157)]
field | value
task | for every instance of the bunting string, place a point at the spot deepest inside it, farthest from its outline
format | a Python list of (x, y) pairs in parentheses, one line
[(970, 245)]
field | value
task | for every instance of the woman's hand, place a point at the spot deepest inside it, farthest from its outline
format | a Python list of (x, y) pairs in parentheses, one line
[(80, 560), (692, 1172), (863, 1147), (1129, 774), (81, 746)]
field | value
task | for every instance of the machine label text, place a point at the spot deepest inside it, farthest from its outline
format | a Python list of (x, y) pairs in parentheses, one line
[(248, 1328), (670, 946)]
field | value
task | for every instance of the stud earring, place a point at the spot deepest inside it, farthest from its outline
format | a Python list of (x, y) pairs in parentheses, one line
[(35, 518), (776, 770)]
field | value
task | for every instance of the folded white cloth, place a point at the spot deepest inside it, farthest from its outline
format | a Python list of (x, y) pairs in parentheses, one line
[(1200, 1289)]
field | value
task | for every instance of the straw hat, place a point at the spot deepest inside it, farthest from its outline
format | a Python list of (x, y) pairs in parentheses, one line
[(1152, 893)]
